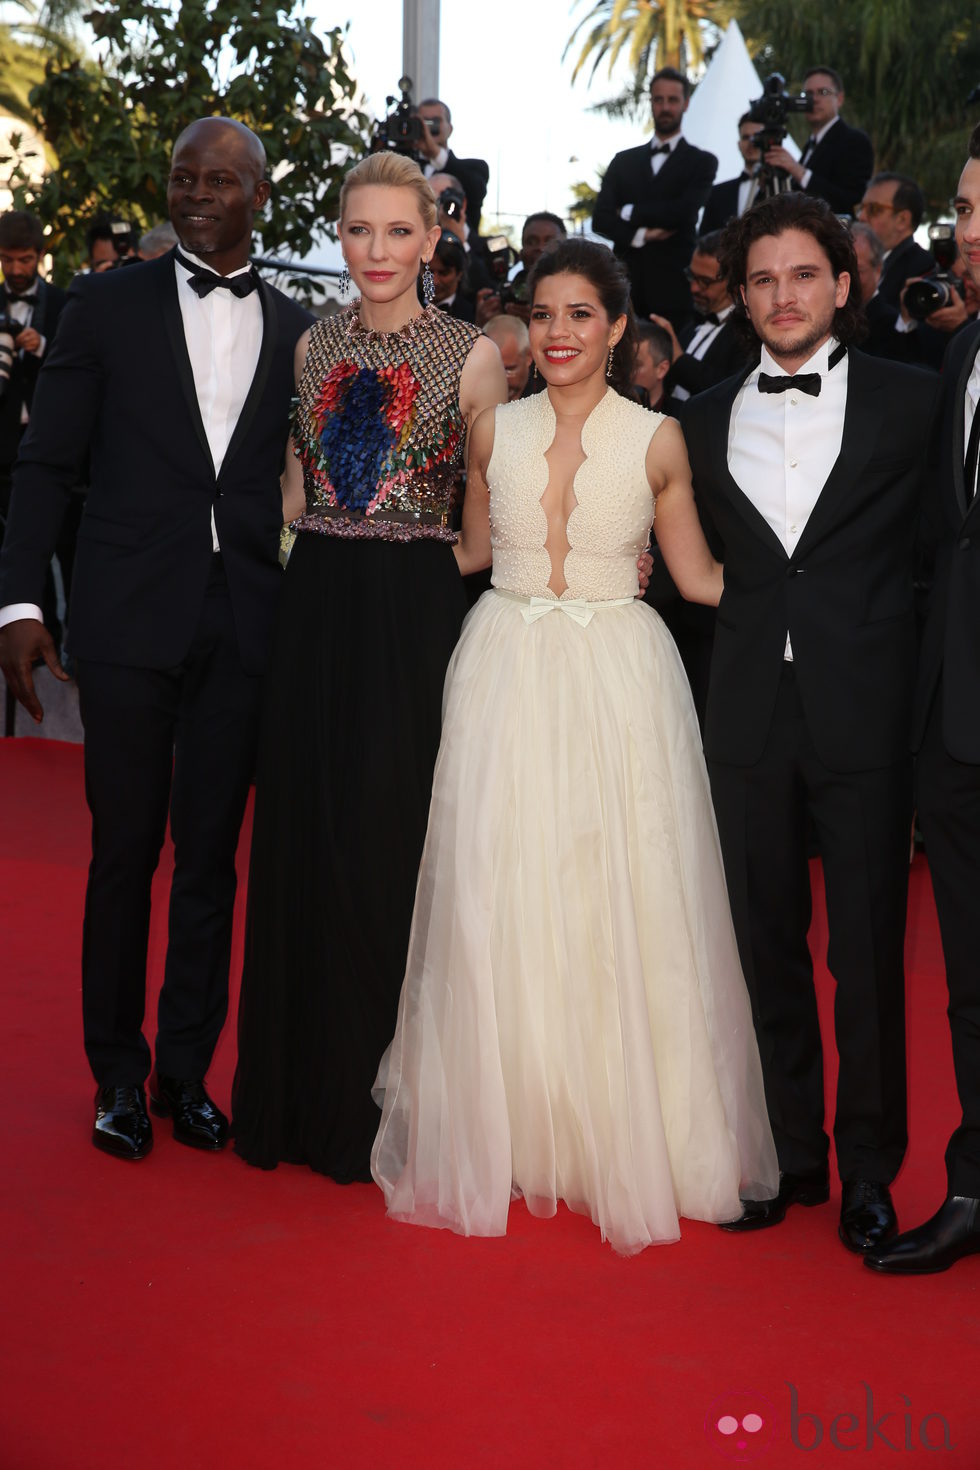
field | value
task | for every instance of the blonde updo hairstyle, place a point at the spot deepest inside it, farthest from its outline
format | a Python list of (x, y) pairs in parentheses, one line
[(390, 171)]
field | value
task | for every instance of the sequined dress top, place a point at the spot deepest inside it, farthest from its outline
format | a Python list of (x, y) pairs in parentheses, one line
[(378, 427)]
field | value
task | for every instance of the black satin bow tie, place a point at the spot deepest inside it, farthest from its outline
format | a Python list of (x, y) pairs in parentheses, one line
[(806, 382), (656, 148), (709, 316), (204, 282), (30, 296)]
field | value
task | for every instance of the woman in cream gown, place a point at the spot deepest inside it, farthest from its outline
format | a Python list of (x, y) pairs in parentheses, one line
[(573, 1022)]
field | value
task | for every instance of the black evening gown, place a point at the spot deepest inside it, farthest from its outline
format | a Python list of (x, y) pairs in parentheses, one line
[(348, 743)]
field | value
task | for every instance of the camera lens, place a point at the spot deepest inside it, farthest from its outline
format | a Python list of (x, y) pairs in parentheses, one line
[(924, 297)]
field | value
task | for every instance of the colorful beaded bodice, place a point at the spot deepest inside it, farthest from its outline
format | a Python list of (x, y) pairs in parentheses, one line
[(378, 427)]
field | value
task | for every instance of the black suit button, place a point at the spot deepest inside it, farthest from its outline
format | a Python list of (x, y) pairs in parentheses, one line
[(218, 494), (795, 571)]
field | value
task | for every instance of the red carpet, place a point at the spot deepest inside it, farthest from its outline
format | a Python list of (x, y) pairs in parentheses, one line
[(189, 1311)]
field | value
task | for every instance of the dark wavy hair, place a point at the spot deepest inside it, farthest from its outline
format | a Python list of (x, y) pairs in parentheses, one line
[(597, 265), (774, 217)]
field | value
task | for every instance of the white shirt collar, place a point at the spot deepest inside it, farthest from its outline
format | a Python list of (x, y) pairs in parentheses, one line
[(203, 265), (819, 137), (818, 363)]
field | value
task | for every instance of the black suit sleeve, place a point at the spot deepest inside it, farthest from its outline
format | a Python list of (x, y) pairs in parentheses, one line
[(66, 406), (674, 211), (844, 178), (614, 192)]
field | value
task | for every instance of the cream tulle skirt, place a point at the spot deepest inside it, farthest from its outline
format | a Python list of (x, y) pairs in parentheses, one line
[(573, 1022)]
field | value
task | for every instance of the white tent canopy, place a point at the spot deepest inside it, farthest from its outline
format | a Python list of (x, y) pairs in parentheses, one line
[(730, 83)]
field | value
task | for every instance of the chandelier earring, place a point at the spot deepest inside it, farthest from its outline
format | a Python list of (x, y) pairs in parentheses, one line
[(428, 283), (344, 281), (609, 362)]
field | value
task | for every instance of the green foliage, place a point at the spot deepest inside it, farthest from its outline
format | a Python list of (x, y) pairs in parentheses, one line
[(113, 125), (652, 33), (582, 207), (26, 44), (907, 70)]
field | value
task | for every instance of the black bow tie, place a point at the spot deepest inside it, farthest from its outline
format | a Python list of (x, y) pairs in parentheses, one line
[(30, 296), (806, 382), (709, 316), (204, 282), (656, 148)]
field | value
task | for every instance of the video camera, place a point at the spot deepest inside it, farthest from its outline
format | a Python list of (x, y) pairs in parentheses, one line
[(935, 290), (402, 130), (772, 110)]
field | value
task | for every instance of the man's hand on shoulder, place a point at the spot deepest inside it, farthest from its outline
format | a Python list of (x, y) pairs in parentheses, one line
[(22, 643)]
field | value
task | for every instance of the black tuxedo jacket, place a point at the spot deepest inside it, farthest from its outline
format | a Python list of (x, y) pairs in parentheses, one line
[(671, 199), (951, 639), (840, 167), (846, 593), (117, 384), (722, 205), (906, 260), (726, 355), (26, 367)]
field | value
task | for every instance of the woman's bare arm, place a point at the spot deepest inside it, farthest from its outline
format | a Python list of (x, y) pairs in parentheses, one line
[(698, 577)]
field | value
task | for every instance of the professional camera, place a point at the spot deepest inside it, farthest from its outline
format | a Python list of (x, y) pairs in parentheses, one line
[(9, 331), (936, 289), (501, 257), (451, 203), (772, 110), (402, 130)]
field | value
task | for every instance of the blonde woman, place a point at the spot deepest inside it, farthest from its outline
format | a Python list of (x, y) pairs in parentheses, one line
[(371, 609)]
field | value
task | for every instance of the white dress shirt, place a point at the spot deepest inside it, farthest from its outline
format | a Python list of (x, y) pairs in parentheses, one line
[(783, 446), (223, 333), (704, 334), (22, 312), (815, 138), (657, 161), (971, 399)]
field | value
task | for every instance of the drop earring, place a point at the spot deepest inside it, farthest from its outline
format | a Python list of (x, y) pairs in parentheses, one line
[(609, 362), (428, 283), (343, 283)]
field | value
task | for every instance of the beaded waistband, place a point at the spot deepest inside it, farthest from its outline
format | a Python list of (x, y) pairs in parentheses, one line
[(380, 525), (579, 609)]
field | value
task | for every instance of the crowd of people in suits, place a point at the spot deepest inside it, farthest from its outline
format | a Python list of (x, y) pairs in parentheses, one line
[(812, 457)]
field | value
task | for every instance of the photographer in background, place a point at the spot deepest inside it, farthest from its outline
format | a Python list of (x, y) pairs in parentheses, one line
[(29, 312), (109, 241), (448, 267), (540, 230), (893, 206), (732, 197), (453, 216), (837, 161), (709, 350), (473, 173)]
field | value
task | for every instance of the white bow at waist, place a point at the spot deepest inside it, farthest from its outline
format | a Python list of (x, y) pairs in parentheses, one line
[(579, 609)]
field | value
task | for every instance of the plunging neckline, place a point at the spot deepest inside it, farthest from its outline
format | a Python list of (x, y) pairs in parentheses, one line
[(553, 565)]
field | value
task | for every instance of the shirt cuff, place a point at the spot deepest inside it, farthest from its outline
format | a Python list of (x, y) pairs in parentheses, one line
[(41, 348), (901, 325), (639, 239), (14, 611), (805, 178), (626, 212)]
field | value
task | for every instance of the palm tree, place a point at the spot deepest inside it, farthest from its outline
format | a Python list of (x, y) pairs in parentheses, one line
[(652, 32), (27, 42)]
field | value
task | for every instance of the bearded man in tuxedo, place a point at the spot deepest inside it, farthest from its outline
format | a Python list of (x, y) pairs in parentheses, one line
[(174, 377), (947, 738), (810, 467), (649, 202)]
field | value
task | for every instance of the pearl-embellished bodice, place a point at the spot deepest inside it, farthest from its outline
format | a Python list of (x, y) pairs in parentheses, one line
[(610, 523)]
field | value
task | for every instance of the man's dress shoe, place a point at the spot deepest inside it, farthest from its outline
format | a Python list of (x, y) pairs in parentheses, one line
[(867, 1215), (197, 1121), (953, 1232), (122, 1126), (811, 1188)]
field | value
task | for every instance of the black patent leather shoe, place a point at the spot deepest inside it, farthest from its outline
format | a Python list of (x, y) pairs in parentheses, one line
[(867, 1215), (122, 1127), (811, 1188), (953, 1232), (197, 1122)]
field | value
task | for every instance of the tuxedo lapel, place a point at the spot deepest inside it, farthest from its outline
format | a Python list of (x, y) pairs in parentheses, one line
[(174, 325), (257, 389), (958, 449), (863, 414)]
